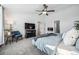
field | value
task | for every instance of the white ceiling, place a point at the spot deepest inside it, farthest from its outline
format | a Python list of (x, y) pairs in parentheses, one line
[(30, 8)]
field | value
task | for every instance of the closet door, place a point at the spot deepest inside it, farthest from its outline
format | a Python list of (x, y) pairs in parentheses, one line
[(1, 26)]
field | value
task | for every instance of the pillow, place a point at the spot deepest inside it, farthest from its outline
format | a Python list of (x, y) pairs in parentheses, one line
[(70, 37)]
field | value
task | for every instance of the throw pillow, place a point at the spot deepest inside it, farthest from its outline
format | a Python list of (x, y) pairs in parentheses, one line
[(70, 37)]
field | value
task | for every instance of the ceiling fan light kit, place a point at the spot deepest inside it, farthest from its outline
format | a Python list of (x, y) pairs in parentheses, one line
[(45, 11)]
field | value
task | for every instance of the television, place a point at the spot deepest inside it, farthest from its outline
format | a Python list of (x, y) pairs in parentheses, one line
[(29, 26)]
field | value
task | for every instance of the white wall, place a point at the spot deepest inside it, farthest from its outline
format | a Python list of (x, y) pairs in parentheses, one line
[(19, 20), (67, 16)]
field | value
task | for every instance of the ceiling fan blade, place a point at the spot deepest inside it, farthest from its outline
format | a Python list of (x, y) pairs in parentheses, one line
[(40, 14), (39, 10), (51, 11), (47, 14)]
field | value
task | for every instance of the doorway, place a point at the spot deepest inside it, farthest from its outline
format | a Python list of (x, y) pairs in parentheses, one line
[(57, 26)]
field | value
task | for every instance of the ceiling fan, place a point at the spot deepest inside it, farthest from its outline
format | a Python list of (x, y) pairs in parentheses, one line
[(45, 11)]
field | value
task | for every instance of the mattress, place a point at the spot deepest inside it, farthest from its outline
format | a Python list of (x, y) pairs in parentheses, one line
[(66, 50)]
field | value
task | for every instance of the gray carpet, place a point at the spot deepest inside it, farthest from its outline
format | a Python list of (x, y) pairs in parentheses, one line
[(22, 47)]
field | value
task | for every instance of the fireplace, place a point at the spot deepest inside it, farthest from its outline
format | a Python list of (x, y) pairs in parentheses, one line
[(30, 30)]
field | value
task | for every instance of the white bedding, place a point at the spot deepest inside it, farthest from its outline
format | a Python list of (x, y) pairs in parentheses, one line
[(66, 50), (50, 40), (54, 45)]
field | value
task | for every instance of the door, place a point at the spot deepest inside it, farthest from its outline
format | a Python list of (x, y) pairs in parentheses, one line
[(57, 26), (41, 28), (1, 26)]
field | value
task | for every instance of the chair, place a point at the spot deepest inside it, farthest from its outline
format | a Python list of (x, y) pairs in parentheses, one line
[(16, 35)]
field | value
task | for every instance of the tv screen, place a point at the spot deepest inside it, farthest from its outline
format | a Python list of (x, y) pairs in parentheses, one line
[(29, 26)]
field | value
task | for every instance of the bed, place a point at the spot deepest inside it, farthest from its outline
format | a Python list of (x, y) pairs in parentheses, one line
[(55, 47), (41, 42), (58, 44)]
